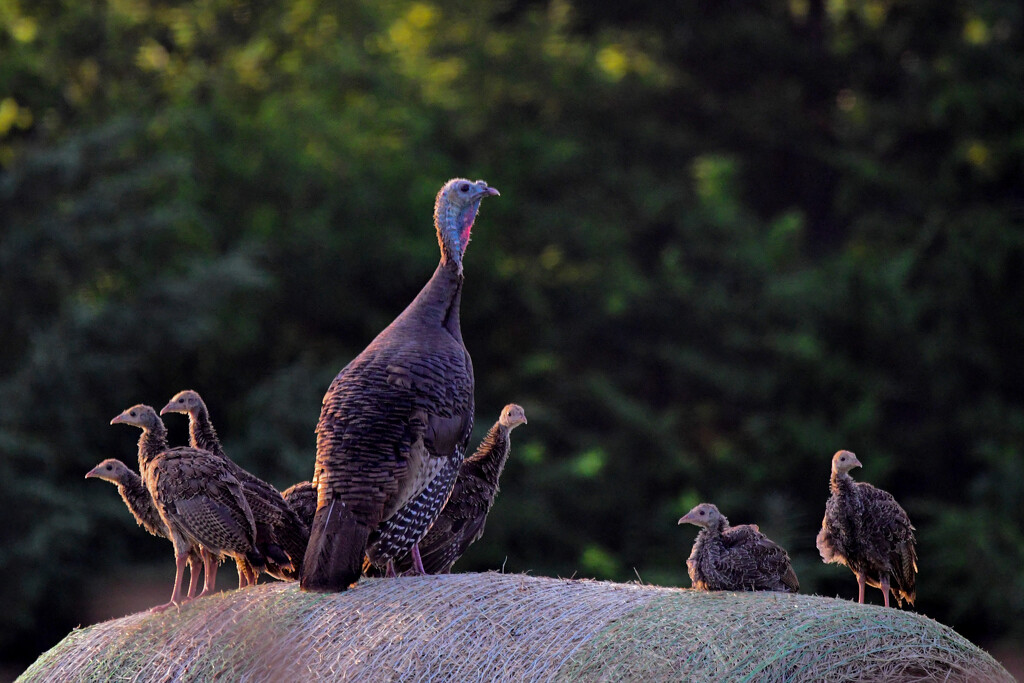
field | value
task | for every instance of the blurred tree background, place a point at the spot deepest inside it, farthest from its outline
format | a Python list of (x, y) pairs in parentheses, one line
[(733, 237)]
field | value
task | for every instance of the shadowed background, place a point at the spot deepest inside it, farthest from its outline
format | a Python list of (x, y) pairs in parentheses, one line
[(733, 237)]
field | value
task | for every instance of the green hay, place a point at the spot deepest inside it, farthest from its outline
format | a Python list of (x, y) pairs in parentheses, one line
[(766, 637), (516, 628)]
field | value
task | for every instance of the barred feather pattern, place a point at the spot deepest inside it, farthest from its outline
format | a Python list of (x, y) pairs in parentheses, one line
[(739, 558), (201, 503), (865, 529), (277, 526), (461, 521), (397, 535), (396, 418), (390, 421), (152, 443)]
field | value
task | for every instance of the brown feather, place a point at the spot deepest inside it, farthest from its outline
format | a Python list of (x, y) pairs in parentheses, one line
[(396, 420), (301, 498), (461, 522), (738, 558), (281, 535), (139, 502), (865, 529)]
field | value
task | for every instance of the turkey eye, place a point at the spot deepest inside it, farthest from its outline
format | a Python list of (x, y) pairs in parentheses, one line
[(181, 400), (133, 413), (702, 512), (109, 467), (464, 187)]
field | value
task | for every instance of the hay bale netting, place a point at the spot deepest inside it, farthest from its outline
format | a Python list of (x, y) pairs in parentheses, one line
[(467, 627)]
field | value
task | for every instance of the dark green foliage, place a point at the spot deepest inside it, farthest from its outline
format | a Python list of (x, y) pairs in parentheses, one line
[(733, 238)]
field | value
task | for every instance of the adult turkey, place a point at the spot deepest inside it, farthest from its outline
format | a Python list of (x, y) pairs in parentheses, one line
[(301, 498), (461, 521), (136, 497), (867, 530), (396, 421), (281, 535), (735, 558), (198, 499)]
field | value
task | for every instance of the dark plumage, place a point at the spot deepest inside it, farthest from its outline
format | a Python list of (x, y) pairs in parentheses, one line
[(867, 530), (200, 502), (136, 496), (396, 420), (281, 535), (735, 558), (301, 498), (461, 522)]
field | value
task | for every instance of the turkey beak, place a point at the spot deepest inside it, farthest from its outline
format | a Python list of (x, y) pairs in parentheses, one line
[(167, 408), (118, 420), (685, 519), (93, 473), (491, 192), (856, 462)]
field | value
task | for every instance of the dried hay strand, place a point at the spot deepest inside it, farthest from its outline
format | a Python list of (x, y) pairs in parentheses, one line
[(467, 627)]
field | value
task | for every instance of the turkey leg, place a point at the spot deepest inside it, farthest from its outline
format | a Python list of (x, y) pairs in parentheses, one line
[(179, 575)]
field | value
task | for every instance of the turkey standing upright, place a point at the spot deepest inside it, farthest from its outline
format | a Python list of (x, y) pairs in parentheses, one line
[(136, 496), (461, 521), (868, 531), (199, 501), (281, 535), (396, 420)]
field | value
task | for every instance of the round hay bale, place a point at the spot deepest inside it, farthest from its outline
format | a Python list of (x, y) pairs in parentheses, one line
[(465, 627)]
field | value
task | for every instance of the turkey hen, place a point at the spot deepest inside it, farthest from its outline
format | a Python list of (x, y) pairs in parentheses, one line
[(396, 421)]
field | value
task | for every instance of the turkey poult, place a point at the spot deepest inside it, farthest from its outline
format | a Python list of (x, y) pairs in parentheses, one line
[(301, 498), (867, 530), (735, 558), (199, 501), (152, 442), (136, 496), (396, 421), (202, 435), (280, 535), (461, 522)]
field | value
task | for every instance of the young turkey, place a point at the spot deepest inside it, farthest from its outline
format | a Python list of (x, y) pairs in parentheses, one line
[(461, 522), (867, 530), (199, 501), (735, 558), (301, 498), (396, 421), (136, 496), (281, 535)]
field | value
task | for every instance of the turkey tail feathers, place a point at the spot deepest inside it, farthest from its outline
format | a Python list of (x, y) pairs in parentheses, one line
[(337, 546)]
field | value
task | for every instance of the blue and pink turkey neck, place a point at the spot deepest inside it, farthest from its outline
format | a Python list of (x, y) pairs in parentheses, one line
[(455, 210)]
